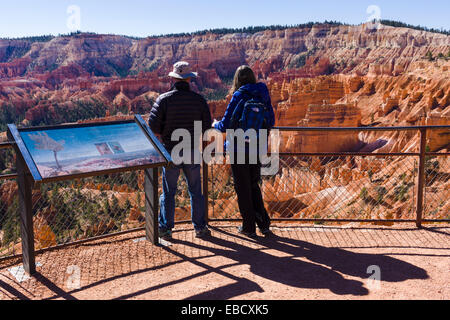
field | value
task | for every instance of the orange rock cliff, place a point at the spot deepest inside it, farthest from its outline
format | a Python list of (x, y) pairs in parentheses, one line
[(325, 75)]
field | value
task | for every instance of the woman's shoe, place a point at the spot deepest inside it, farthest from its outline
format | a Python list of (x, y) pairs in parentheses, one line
[(247, 234), (205, 232), (266, 232)]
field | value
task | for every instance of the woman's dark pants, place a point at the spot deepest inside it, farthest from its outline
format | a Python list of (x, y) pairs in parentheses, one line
[(251, 205)]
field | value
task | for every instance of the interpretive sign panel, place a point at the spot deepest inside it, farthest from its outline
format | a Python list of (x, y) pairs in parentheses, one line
[(70, 151)]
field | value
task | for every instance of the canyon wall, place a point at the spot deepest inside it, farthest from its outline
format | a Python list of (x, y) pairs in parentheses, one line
[(321, 49), (382, 77)]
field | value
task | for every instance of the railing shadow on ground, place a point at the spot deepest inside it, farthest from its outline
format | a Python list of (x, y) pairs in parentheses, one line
[(13, 291), (320, 272), (286, 270), (312, 275), (302, 264)]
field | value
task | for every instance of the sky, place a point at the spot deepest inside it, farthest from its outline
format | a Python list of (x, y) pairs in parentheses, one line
[(142, 18)]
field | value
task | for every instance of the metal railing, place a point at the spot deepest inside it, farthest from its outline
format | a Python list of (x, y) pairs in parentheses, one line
[(338, 187), (74, 211), (332, 187)]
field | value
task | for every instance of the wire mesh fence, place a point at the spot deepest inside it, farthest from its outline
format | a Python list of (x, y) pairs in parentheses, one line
[(9, 219), (75, 210), (437, 188), (331, 188), (70, 211)]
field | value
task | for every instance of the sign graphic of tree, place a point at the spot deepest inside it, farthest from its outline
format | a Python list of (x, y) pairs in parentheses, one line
[(44, 142)]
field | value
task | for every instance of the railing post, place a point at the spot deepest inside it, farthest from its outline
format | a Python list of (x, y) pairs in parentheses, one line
[(205, 185), (25, 188), (421, 177), (151, 205)]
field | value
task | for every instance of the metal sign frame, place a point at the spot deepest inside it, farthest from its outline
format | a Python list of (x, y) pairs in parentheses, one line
[(21, 148), (29, 178)]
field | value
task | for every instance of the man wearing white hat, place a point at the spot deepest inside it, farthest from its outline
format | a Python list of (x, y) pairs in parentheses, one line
[(179, 109)]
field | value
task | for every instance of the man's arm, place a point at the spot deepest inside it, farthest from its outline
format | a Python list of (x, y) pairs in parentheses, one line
[(206, 117), (157, 117)]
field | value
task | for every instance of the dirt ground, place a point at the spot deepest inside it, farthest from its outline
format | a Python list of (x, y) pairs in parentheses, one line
[(298, 262)]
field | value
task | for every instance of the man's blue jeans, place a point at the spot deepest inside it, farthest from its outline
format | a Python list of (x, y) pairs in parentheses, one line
[(167, 199)]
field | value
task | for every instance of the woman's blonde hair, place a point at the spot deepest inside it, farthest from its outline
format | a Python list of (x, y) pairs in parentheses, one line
[(244, 75)]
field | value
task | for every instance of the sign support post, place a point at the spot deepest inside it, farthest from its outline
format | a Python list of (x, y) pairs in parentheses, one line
[(25, 188), (151, 205)]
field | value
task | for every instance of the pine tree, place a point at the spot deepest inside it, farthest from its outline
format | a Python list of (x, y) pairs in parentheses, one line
[(127, 205), (116, 210), (106, 207), (11, 224), (126, 209)]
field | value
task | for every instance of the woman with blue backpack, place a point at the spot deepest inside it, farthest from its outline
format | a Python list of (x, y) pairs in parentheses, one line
[(249, 108)]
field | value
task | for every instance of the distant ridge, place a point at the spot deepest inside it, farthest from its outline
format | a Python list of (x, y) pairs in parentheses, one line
[(223, 31), (399, 24)]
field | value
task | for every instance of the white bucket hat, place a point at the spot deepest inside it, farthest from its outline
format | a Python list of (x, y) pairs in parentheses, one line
[(182, 70)]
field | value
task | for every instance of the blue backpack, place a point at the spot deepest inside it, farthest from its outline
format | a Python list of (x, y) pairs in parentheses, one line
[(250, 113)]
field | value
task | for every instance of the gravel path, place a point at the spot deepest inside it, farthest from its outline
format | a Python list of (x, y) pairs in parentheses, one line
[(298, 262)]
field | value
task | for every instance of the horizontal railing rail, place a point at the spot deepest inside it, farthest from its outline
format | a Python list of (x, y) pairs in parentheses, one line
[(411, 128), (8, 176), (7, 144)]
